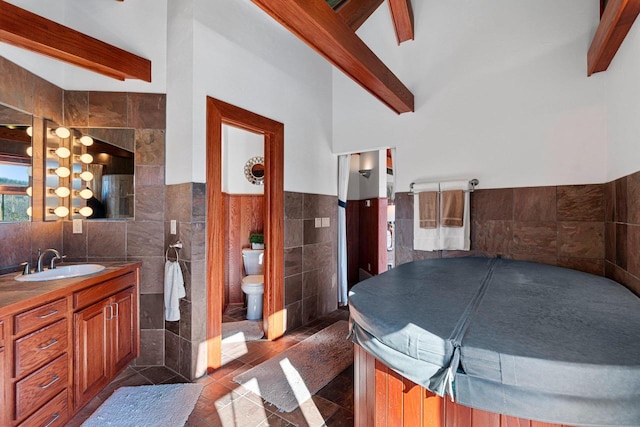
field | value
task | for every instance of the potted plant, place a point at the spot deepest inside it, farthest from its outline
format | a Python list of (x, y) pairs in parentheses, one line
[(256, 240)]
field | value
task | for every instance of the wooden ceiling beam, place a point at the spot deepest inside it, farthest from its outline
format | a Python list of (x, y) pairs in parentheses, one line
[(402, 17), (356, 12), (615, 23), (27, 30), (315, 23)]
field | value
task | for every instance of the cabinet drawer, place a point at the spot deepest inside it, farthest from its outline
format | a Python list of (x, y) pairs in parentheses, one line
[(39, 347), (53, 414), (40, 316), (41, 386), (98, 292)]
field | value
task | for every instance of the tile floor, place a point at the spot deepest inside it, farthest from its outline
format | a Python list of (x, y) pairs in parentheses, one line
[(225, 403)]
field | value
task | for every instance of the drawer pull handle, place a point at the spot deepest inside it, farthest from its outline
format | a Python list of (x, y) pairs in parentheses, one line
[(52, 343), (110, 312), (51, 313), (54, 418), (117, 310), (55, 378)]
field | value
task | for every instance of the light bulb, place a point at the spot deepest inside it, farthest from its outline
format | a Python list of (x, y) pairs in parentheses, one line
[(29, 191), (61, 191), (62, 172), (62, 132), (86, 158), (85, 211), (85, 194), (30, 151), (60, 211), (86, 140), (86, 176), (62, 152), (29, 211), (29, 131)]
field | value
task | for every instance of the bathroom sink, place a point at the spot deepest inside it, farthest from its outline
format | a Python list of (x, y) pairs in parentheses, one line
[(61, 272)]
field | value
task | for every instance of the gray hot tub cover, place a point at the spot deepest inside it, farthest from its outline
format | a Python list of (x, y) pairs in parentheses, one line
[(511, 337)]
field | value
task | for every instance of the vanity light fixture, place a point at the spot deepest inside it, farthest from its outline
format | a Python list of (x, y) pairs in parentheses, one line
[(62, 152), (29, 131), (85, 176), (86, 140), (29, 211), (60, 211), (29, 191), (85, 194), (85, 158), (84, 211), (30, 151), (365, 173), (62, 132), (60, 191), (62, 171)]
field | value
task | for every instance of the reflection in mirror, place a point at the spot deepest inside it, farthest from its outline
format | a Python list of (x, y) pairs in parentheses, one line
[(110, 161), (15, 165)]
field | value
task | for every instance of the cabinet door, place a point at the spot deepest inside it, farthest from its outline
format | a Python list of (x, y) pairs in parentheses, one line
[(123, 329), (92, 366)]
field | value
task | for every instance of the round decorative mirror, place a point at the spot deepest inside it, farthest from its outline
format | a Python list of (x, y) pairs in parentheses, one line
[(254, 170)]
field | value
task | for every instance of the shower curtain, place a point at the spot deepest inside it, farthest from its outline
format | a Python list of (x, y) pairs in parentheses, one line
[(343, 188)]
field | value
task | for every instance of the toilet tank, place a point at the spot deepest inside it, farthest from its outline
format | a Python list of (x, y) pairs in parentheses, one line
[(253, 261)]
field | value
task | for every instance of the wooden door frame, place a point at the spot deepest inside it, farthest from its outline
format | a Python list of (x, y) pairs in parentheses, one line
[(219, 113)]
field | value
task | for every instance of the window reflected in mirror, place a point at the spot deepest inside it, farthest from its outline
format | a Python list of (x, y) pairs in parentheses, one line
[(15, 165)]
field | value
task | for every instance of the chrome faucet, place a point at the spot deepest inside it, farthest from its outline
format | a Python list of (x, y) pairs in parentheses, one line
[(57, 256)]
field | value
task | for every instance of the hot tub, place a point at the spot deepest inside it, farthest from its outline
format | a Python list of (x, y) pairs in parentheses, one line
[(509, 337)]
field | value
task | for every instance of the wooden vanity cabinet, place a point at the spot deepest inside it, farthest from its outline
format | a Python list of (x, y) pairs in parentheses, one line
[(105, 336), (60, 349)]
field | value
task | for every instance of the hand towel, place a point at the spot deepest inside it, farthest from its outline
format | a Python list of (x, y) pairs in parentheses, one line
[(424, 239), (173, 290), (452, 208), (428, 208), (457, 238)]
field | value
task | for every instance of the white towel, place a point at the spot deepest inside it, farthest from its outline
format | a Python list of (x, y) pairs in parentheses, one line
[(442, 238), (173, 290), (424, 239)]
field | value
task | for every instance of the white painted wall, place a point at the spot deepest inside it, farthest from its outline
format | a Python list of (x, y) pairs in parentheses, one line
[(238, 146), (623, 107), (139, 27), (241, 56), (353, 193), (501, 94)]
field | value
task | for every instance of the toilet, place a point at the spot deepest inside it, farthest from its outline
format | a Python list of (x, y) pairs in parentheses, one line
[(253, 282)]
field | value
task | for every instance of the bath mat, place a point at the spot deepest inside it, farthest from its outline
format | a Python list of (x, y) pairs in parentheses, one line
[(245, 330), (165, 405), (292, 377)]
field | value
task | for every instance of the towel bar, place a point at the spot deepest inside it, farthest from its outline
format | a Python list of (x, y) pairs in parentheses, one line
[(472, 184), (175, 246)]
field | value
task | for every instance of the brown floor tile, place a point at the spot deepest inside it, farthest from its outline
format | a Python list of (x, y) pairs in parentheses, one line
[(224, 403)]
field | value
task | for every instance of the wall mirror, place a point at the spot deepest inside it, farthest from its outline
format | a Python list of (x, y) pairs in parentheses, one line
[(89, 173), (254, 170), (111, 162), (15, 165)]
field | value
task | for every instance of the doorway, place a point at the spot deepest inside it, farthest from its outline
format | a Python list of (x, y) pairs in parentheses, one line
[(274, 319)]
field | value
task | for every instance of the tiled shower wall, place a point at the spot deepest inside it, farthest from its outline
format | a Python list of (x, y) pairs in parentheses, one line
[(309, 257), (141, 239)]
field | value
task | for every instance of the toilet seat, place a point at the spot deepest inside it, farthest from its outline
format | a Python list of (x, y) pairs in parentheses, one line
[(253, 284)]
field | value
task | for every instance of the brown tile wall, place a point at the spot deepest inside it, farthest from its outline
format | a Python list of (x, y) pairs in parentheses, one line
[(622, 231), (561, 225), (309, 257), (186, 205), (141, 239)]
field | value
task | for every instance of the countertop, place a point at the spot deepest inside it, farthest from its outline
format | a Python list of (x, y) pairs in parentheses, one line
[(16, 296)]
